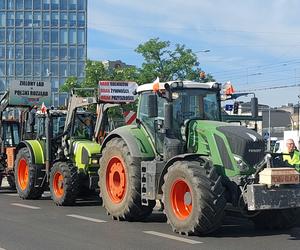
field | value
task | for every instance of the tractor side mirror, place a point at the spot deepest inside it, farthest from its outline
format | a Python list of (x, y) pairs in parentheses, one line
[(152, 106), (254, 107)]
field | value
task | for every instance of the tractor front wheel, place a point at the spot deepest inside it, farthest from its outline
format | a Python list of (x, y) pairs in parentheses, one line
[(25, 175), (64, 183), (193, 197), (120, 183)]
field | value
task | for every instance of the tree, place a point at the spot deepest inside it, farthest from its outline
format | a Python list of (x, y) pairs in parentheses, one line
[(160, 61), (94, 72), (70, 83)]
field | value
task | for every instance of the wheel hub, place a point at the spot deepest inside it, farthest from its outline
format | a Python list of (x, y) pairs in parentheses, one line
[(116, 180), (23, 174), (181, 199)]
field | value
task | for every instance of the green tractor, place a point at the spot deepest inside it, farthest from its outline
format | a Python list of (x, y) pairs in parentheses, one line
[(181, 153), (64, 156)]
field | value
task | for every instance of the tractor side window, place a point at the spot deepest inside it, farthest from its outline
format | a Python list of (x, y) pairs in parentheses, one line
[(84, 126), (16, 134), (40, 130), (8, 141)]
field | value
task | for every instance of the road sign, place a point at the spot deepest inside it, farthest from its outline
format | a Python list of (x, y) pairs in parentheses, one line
[(229, 107)]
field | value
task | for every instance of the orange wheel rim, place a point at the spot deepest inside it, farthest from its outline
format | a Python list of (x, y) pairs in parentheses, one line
[(181, 199), (58, 185), (116, 180), (23, 173)]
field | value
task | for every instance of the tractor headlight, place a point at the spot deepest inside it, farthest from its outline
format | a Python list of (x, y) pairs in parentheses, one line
[(241, 164), (95, 161), (182, 131)]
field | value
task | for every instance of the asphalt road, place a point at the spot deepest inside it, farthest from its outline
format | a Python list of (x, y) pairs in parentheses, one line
[(41, 225)]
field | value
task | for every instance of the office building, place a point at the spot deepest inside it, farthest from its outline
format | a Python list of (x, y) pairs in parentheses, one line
[(42, 40)]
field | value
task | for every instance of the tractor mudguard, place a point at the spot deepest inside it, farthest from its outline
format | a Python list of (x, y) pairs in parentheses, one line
[(137, 140), (35, 150), (182, 157)]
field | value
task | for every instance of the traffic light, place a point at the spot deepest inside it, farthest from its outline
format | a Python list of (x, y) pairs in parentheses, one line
[(236, 107)]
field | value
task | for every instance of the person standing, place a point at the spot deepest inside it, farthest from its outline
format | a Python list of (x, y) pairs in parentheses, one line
[(291, 154)]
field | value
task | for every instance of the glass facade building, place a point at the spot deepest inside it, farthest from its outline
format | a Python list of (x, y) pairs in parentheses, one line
[(42, 40)]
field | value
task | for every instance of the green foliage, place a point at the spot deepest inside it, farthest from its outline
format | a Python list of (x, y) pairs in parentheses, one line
[(160, 61), (70, 83)]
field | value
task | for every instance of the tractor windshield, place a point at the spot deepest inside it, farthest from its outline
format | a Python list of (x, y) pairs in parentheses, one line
[(84, 126), (195, 103)]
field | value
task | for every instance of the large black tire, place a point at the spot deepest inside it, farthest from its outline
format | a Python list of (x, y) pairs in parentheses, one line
[(64, 183), (193, 197), (25, 187), (276, 219), (126, 206)]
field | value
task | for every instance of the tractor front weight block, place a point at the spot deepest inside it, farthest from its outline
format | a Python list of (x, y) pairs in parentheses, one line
[(261, 197)]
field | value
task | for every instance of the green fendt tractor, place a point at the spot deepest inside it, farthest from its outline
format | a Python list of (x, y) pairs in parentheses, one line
[(180, 152)]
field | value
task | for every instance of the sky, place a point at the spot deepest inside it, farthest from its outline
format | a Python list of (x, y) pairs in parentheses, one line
[(254, 44)]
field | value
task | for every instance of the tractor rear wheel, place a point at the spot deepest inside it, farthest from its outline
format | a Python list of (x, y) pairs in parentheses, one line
[(276, 219), (193, 197), (64, 183), (120, 183), (25, 175)]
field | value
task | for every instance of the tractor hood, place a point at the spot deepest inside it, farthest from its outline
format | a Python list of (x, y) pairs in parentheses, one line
[(225, 142)]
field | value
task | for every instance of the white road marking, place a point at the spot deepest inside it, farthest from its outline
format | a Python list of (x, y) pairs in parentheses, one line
[(14, 194), (23, 205), (85, 218), (172, 237), (2, 248)]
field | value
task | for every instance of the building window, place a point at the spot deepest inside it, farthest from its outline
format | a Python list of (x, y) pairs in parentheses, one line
[(28, 4), (72, 53), (54, 36), (54, 4), (19, 19), (54, 19), (72, 36), (37, 36), (19, 36), (28, 35), (63, 19), (36, 52), (54, 53), (10, 4), (81, 36), (10, 52), (19, 69), (81, 53), (2, 19), (28, 68), (80, 69), (45, 53), (2, 69), (54, 69), (28, 19), (10, 35), (37, 69), (46, 36), (45, 69), (46, 19), (2, 5), (80, 20), (63, 69), (63, 53), (10, 19), (63, 5), (46, 4), (72, 19), (63, 36), (73, 69), (2, 35), (2, 52), (27, 52), (19, 5), (72, 4), (19, 52), (81, 4), (10, 68), (37, 18), (37, 5)]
